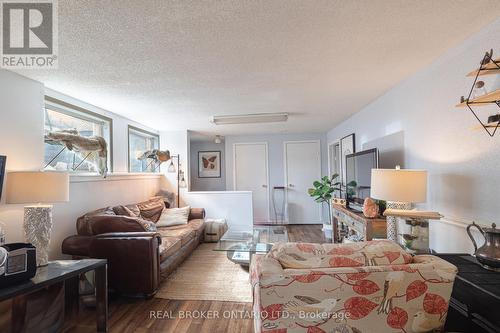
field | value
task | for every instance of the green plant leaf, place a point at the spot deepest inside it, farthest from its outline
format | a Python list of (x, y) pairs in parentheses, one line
[(317, 184), (352, 183)]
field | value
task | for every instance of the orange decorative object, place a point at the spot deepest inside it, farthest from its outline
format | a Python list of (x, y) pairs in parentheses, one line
[(370, 208)]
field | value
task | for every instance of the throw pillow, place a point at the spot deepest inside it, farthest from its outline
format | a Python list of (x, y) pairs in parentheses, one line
[(151, 209), (124, 211), (173, 216)]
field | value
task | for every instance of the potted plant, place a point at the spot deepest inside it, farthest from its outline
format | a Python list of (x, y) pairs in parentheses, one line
[(324, 190)]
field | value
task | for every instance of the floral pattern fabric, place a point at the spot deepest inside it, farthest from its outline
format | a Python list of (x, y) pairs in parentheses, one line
[(309, 255), (409, 294)]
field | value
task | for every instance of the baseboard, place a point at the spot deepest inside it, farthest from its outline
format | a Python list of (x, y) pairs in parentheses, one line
[(461, 222)]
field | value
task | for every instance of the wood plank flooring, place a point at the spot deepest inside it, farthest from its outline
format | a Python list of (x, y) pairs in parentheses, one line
[(135, 315)]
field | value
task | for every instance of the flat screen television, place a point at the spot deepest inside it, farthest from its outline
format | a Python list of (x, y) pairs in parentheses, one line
[(359, 169), (3, 160)]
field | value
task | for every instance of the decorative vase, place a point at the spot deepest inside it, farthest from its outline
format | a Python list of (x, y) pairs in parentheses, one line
[(370, 208)]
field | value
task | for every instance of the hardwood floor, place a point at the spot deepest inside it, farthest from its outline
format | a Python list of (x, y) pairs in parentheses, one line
[(139, 315)]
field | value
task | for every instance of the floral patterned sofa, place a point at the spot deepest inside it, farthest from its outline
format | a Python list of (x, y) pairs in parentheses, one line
[(365, 287)]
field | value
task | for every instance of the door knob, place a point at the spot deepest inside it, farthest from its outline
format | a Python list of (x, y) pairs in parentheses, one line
[(264, 186), (291, 185)]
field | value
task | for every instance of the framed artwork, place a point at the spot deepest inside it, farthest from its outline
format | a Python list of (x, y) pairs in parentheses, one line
[(347, 146), (209, 164), (3, 160)]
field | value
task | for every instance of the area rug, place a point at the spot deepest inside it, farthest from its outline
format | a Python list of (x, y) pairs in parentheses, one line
[(207, 275)]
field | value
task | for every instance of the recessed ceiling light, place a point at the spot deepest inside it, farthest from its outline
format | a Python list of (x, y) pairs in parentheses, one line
[(249, 118)]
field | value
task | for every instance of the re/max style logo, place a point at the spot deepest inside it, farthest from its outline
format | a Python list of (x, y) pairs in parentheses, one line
[(29, 34)]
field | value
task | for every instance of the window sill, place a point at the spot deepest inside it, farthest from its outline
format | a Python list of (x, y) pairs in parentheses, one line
[(91, 177)]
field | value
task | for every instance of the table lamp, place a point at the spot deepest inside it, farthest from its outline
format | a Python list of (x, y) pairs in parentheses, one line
[(400, 188), (38, 187)]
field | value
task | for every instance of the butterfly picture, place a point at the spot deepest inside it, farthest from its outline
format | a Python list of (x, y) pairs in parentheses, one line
[(209, 164)]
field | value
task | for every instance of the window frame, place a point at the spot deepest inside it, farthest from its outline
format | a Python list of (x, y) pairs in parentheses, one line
[(66, 108), (146, 133)]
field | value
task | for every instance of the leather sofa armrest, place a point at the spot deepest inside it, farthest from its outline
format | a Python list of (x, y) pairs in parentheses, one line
[(133, 260), (197, 214), (76, 245)]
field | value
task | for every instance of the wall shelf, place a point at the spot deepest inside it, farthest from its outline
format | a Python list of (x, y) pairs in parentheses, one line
[(487, 66), (489, 69), (489, 98)]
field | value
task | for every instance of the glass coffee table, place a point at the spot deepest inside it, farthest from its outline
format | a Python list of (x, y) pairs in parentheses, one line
[(241, 243)]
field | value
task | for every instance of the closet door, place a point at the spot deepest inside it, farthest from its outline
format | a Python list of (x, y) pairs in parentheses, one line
[(251, 174), (302, 168)]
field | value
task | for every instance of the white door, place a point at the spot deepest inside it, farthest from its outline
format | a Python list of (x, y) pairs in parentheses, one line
[(251, 174), (302, 168)]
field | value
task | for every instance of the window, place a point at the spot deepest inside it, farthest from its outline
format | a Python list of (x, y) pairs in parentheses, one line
[(61, 116), (139, 142)]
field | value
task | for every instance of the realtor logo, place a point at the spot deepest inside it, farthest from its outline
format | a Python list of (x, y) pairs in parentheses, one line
[(29, 34)]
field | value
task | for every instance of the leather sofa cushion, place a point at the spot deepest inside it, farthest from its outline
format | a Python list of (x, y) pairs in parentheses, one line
[(151, 209), (185, 234), (169, 246), (197, 225)]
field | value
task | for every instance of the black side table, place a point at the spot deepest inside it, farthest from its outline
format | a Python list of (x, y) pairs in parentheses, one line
[(475, 300), (62, 271)]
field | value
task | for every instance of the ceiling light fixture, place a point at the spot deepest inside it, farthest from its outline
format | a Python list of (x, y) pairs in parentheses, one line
[(249, 118), (218, 139)]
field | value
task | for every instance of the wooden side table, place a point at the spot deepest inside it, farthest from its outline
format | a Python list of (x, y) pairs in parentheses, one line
[(365, 228), (475, 300), (56, 272)]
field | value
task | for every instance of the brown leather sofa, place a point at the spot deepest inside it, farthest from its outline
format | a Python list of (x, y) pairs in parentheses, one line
[(139, 255)]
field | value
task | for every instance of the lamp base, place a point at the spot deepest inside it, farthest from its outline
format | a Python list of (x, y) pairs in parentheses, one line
[(392, 222), (37, 230)]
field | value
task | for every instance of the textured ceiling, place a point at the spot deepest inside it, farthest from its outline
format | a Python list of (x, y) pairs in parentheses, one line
[(172, 64)]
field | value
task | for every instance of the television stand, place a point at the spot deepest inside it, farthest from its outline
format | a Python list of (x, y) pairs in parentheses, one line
[(349, 225)]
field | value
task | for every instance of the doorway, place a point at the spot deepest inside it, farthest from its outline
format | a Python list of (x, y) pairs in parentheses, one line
[(251, 174), (302, 167)]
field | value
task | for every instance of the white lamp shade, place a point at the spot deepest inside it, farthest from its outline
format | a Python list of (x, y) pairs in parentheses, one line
[(37, 187), (399, 185)]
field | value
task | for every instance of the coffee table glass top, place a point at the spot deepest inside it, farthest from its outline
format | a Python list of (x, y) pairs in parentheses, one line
[(259, 239)]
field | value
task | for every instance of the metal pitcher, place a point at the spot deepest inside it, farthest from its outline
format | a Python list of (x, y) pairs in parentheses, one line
[(488, 255)]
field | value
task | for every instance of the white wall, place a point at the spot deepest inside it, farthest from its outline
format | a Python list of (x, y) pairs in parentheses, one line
[(177, 142), (463, 164), (21, 139), (276, 158), (207, 184), (234, 206)]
